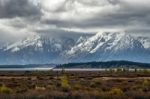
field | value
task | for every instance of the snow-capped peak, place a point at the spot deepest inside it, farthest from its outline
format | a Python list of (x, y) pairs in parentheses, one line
[(29, 41), (103, 41)]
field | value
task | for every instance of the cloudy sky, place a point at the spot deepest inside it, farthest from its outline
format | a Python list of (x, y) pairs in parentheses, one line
[(23, 17)]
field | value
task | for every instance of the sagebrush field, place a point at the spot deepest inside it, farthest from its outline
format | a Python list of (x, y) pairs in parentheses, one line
[(120, 84)]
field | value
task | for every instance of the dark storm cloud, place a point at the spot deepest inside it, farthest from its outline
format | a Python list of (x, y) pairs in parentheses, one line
[(17, 8)]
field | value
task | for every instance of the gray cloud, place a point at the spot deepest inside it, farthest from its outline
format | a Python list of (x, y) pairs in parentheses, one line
[(17, 8), (100, 14), (28, 16)]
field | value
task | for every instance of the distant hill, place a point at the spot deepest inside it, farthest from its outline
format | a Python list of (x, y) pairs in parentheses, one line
[(108, 64)]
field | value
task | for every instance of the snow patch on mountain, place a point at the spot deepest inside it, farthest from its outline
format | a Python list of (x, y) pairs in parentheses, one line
[(145, 41)]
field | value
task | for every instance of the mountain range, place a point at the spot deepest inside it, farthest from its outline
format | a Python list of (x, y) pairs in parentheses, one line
[(106, 46)]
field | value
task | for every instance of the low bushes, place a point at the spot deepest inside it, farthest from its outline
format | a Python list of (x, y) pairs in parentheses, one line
[(64, 83), (116, 91), (4, 89)]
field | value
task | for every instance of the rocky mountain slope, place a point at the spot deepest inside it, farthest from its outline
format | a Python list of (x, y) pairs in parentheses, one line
[(39, 49)]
